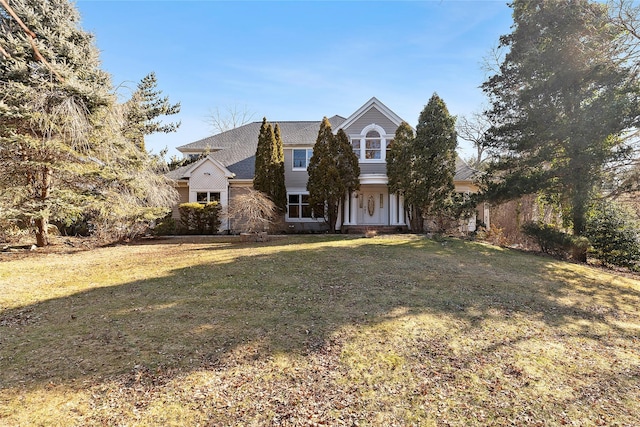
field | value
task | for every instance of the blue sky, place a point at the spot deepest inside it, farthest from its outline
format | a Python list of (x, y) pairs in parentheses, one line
[(296, 60)]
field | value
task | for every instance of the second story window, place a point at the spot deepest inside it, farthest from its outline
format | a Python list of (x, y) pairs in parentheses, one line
[(355, 143), (301, 158), (373, 144)]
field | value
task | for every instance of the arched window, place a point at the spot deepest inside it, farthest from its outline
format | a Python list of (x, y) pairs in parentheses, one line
[(373, 143)]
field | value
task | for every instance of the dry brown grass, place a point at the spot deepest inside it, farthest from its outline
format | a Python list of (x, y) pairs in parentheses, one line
[(396, 330)]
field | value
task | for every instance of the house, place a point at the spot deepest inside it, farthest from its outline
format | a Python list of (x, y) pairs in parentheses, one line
[(228, 169)]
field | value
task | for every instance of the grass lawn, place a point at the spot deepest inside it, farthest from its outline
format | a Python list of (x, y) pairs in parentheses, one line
[(306, 330)]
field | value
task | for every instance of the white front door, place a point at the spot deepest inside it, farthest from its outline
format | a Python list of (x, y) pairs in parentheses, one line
[(372, 208)]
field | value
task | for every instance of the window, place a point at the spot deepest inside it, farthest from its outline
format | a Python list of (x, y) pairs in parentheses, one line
[(298, 206), (207, 196), (356, 146), (301, 158), (372, 146)]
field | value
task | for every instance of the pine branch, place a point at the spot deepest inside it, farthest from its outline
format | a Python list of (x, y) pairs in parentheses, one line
[(32, 39)]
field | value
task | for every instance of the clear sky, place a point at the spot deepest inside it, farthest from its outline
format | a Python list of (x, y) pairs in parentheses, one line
[(296, 60)]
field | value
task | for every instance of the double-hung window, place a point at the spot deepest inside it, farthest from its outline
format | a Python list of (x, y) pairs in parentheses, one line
[(301, 158)]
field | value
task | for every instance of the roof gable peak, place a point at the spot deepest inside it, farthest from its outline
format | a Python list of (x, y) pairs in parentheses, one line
[(196, 165), (373, 102)]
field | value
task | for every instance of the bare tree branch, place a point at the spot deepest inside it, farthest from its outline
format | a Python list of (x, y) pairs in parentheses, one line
[(473, 129), (230, 118)]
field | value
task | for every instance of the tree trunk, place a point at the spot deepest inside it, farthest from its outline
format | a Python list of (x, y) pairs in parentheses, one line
[(416, 220), (42, 223), (42, 232), (332, 216), (579, 225)]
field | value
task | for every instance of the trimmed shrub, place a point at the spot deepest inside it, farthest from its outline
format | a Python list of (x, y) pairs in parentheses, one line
[(165, 226), (198, 218), (614, 236)]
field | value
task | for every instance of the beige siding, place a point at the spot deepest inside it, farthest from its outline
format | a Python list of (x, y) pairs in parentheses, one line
[(183, 192), (372, 116), (236, 226)]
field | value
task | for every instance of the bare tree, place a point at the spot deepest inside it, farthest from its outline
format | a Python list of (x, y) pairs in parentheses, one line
[(473, 128), (252, 211), (229, 118)]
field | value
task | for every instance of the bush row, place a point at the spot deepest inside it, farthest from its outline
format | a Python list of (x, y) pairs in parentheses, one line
[(195, 218)]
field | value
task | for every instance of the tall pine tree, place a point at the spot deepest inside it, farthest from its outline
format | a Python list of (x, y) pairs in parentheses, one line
[(399, 162), (561, 101), (423, 167), (62, 154), (269, 165), (278, 187), (333, 170), (143, 110), (263, 156)]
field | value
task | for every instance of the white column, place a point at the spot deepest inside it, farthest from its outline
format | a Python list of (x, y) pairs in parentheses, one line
[(402, 219), (393, 209), (354, 209)]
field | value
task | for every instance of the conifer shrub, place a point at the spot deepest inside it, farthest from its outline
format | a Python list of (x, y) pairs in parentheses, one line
[(614, 235), (551, 239), (198, 218)]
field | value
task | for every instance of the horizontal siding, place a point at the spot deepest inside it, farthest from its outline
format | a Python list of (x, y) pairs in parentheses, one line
[(293, 179), (368, 168), (372, 116), (183, 193)]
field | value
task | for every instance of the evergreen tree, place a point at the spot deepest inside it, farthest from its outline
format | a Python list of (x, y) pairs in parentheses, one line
[(261, 175), (278, 189), (143, 109), (427, 161), (347, 162), (560, 101), (333, 170), (269, 165), (399, 162), (62, 154)]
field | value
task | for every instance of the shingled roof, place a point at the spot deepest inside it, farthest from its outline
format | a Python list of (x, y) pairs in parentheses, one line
[(236, 148), (464, 172)]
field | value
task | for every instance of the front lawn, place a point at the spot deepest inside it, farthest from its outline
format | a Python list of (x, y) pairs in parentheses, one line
[(393, 330)]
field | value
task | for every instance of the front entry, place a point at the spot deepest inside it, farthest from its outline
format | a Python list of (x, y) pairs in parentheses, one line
[(372, 207)]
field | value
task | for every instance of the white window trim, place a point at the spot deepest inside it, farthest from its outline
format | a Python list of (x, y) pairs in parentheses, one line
[(384, 140), (296, 219), (309, 153), (220, 195)]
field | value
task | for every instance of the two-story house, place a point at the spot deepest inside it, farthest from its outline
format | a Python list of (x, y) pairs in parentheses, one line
[(229, 168)]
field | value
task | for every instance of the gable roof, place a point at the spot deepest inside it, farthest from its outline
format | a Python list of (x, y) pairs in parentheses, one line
[(235, 149), (373, 102), (464, 172), (184, 172)]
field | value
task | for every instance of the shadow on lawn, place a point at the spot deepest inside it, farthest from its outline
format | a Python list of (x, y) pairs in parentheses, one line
[(289, 301)]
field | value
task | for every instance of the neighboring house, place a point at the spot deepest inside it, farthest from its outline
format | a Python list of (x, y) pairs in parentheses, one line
[(228, 169)]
